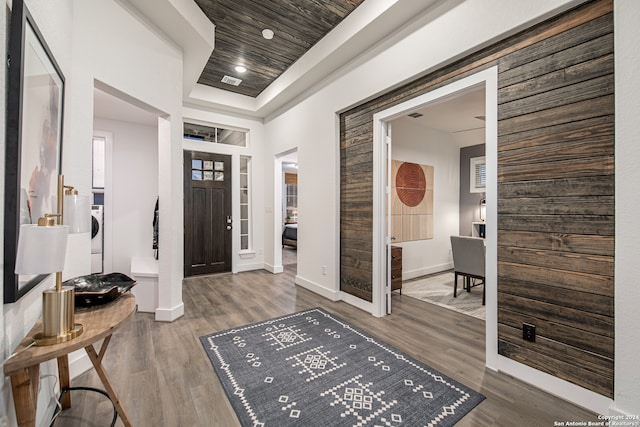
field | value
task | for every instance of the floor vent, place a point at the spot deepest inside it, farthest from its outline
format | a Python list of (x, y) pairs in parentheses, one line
[(231, 80)]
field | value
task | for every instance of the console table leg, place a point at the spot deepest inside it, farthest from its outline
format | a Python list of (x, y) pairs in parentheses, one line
[(96, 361), (63, 374), (24, 385)]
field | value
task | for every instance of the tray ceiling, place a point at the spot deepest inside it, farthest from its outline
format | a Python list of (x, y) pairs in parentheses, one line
[(297, 26)]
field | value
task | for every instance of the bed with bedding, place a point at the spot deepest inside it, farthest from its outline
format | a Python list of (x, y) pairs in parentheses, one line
[(290, 235)]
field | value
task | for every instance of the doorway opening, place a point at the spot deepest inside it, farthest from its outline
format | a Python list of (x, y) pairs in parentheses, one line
[(439, 142), (124, 178), (383, 143), (286, 182)]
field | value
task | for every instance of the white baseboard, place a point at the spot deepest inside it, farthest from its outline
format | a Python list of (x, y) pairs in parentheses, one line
[(563, 389), (618, 414), (357, 302), (275, 269), (79, 361), (408, 275), (249, 267), (169, 314), (332, 295)]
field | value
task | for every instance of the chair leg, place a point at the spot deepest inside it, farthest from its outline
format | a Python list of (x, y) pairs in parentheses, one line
[(484, 288), (455, 284)]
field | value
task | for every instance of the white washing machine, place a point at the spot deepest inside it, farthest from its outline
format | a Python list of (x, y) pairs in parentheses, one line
[(97, 239)]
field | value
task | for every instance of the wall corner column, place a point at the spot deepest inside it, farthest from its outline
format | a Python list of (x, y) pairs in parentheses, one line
[(171, 235)]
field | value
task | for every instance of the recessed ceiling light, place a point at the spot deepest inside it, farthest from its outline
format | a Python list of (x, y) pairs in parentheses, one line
[(267, 33), (240, 69)]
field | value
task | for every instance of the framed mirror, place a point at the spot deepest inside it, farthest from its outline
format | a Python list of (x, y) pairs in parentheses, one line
[(35, 99)]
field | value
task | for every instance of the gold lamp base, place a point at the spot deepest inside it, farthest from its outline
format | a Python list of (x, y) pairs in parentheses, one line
[(42, 340), (58, 311)]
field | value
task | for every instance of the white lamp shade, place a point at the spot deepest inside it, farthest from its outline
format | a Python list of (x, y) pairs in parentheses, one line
[(41, 249), (77, 213)]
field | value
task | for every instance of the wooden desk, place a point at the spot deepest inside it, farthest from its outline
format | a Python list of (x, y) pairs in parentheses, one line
[(24, 368)]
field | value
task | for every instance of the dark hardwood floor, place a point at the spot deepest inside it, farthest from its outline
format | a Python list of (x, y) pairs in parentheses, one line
[(164, 377)]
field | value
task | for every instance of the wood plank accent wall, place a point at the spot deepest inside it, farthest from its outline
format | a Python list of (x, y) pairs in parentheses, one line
[(555, 191), (556, 204)]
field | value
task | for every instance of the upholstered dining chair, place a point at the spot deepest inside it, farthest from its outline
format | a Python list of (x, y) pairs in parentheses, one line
[(468, 262)]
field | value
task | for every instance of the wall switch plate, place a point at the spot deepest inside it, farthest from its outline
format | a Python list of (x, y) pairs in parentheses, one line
[(529, 332)]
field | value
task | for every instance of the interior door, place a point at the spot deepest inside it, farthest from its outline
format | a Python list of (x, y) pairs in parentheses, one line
[(207, 213)]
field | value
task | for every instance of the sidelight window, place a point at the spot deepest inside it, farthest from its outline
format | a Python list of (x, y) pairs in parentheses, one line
[(245, 203)]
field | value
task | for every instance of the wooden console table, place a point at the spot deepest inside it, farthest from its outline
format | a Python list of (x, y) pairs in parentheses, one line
[(24, 367)]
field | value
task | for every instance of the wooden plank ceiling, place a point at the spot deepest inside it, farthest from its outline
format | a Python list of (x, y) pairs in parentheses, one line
[(297, 25)]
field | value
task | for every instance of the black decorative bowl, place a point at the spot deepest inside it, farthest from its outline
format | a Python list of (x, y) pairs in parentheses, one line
[(97, 289)]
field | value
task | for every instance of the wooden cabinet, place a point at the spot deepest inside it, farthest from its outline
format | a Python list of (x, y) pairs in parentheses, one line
[(396, 268)]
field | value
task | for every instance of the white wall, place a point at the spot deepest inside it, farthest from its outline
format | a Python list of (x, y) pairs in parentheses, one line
[(135, 61), (417, 144), (54, 22), (627, 268), (312, 128), (133, 191)]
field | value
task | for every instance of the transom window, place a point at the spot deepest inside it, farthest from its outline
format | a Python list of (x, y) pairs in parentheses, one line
[(216, 135)]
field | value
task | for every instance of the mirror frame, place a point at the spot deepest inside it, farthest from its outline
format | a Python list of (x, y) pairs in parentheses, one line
[(25, 200)]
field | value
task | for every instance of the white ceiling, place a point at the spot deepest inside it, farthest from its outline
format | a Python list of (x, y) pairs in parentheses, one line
[(457, 115), (111, 107)]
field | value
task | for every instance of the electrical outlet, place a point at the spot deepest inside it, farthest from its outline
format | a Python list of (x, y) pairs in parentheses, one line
[(324, 270), (529, 332)]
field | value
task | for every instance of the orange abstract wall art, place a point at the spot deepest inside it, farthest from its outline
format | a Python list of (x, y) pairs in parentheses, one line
[(411, 201)]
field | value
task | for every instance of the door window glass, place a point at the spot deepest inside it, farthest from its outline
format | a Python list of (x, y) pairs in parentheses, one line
[(202, 170)]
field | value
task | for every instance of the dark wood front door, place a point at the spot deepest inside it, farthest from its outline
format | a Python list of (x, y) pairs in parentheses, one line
[(207, 213)]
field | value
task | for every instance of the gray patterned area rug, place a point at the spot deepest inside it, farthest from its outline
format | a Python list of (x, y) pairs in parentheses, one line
[(438, 289), (313, 369)]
